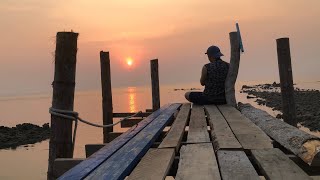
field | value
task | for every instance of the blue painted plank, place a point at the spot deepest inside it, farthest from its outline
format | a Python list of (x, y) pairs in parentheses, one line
[(87, 166), (121, 163)]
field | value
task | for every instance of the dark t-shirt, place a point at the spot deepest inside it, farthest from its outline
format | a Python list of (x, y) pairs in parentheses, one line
[(216, 76)]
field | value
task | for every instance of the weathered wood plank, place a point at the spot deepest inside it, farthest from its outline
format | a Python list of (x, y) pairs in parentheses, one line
[(197, 161), (198, 131), (92, 148), (121, 163), (174, 137), (276, 165), (121, 115), (154, 165), (236, 165), (130, 122), (62, 165), (248, 134), (84, 168), (222, 136), (302, 144)]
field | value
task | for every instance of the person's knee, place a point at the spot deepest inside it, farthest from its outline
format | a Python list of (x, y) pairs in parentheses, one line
[(186, 95)]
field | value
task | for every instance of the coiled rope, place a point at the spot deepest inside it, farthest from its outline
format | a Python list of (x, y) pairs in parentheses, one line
[(74, 116)]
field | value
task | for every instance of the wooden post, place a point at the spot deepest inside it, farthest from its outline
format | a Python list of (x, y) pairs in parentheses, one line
[(286, 81), (107, 108), (60, 145), (233, 69), (155, 84)]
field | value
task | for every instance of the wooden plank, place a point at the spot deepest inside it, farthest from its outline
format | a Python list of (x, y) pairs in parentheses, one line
[(174, 137), (197, 161), (248, 134), (92, 148), (221, 134), (198, 132), (84, 168), (154, 165), (62, 165), (130, 122), (236, 164), (121, 163), (274, 164), (121, 115), (302, 144), (114, 135)]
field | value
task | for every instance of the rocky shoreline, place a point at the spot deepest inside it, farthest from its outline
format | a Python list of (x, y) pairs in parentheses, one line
[(23, 134), (307, 102)]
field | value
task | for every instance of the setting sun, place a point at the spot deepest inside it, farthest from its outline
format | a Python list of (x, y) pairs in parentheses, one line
[(129, 61)]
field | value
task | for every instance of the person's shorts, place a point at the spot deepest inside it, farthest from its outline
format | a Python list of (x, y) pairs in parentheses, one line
[(201, 99)]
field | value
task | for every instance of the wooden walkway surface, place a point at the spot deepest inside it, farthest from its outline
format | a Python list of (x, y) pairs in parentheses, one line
[(203, 142)]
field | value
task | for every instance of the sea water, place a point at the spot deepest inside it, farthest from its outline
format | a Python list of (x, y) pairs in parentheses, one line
[(30, 162)]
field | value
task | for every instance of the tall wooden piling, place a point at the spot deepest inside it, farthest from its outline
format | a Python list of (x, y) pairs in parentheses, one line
[(286, 81), (155, 84), (107, 107), (60, 145), (233, 69)]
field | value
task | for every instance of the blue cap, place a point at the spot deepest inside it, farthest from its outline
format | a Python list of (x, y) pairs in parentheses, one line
[(214, 51)]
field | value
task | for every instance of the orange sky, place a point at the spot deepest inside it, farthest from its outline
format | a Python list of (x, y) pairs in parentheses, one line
[(177, 32)]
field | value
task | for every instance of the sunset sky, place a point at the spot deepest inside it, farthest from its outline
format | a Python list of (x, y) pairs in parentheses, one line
[(177, 32)]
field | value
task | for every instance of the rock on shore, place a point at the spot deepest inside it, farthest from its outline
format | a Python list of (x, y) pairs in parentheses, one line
[(307, 102), (23, 134)]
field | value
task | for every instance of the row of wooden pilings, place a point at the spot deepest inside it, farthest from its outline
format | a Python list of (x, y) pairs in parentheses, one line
[(61, 145)]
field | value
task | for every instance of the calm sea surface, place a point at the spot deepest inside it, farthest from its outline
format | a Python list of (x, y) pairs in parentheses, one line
[(31, 162)]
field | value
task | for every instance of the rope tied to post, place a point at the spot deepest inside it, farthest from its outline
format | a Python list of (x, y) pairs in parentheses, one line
[(74, 116)]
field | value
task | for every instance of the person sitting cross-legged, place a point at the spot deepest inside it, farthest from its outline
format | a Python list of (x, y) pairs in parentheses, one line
[(213, 78)]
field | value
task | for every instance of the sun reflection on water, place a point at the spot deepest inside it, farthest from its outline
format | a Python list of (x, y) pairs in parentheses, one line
[(132, 99)]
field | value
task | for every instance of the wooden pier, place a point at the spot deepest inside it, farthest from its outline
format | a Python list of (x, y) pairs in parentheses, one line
[(180, 141), (203, 142)]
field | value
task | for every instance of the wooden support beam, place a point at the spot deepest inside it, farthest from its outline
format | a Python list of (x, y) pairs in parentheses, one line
[(92, 148), (302, 144), (121, 115), (286, 81), (233, 69), (155, 84), (130, 122), (60, 145), (107, 107), (149, 110), (62, 165)]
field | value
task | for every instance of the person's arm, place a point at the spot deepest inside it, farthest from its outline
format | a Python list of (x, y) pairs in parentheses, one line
[(203, 76)]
